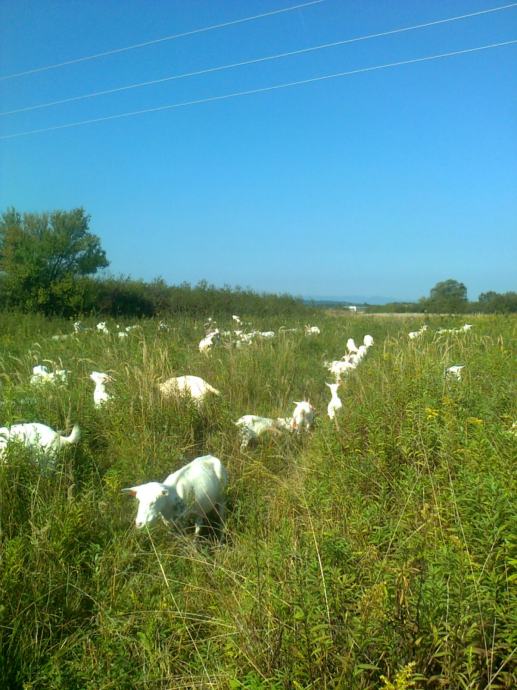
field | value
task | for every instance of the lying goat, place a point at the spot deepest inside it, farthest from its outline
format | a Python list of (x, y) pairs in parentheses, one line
[(454, 372), (252, 426), (39, 437), (191, 493), (194, 386)]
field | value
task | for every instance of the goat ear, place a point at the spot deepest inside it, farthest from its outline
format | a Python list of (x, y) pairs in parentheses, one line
[(129, 491), (295, 402)]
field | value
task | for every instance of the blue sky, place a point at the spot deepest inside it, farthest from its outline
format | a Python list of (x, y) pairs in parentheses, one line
[(380, 183)]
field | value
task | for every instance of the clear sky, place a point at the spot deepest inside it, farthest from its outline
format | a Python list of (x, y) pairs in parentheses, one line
[(378, 183)]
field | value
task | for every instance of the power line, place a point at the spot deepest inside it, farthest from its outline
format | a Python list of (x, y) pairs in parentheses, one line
[(154, 41), (253, 61), (259, 90)]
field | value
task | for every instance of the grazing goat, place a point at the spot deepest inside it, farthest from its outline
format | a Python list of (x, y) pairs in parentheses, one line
[(102, 328), (340, 368), (312, 330), (416, 334), (194, 386), (41, 375), (100, 395), (335, 403), (39, 437), (191, 493)]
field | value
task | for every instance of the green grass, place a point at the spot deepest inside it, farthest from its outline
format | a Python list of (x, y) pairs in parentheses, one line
[(379, 553)]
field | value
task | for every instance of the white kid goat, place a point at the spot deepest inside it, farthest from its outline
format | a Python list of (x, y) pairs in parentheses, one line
[(191, 493), (303, 416), (194, 386), (351, 346), (100, 395), (335, 403), (39, 437)]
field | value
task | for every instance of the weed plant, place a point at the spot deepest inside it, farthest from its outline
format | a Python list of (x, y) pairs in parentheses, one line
[(377, 552)]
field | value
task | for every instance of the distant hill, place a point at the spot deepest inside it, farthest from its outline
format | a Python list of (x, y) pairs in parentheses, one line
[(347, 299)]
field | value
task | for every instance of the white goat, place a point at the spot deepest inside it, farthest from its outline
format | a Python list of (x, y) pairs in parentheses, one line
[(39, 437), (335, 403), (252, 426), (102, 328), (312, 330), (191, 493), (351, 346), (454, 371), (416, 334), (100, 395), (194, 386), (340, 368), (41, 375), (359, 355), (79, 327), (206, 343), (303, 416)]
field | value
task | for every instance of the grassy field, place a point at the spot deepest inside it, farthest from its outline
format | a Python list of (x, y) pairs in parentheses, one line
[(379, 553)]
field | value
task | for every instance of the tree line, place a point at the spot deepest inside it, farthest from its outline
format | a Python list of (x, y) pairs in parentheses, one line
[(450, 297), (49, 262)]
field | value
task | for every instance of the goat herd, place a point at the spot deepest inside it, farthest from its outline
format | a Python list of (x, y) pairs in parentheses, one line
[(196, 491)]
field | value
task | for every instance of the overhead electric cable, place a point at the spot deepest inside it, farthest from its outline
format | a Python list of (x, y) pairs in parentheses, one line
[(252, 61), (250, 92), (154, 41)]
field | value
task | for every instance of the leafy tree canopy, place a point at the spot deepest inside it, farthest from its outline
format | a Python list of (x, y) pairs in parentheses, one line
[(448, 296), (42, 255)]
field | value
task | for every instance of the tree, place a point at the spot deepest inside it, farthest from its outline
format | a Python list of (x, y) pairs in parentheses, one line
[(498, 303), (448, 296), (42, 256)]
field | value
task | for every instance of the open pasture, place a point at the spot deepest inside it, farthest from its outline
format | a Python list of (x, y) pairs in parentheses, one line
[(376, 551)]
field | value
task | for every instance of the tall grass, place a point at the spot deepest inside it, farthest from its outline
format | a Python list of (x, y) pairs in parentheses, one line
[(378, 553)]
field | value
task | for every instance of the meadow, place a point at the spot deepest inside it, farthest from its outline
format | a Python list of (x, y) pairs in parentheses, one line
[(376, 553)]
